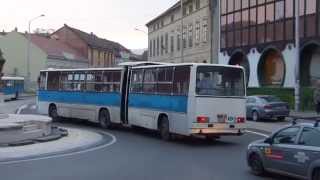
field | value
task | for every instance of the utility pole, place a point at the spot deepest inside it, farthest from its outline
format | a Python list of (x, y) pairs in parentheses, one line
[(182, 46), (297, 68), (28, 79)]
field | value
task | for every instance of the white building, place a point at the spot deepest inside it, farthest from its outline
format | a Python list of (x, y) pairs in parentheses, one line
[(199, 43)]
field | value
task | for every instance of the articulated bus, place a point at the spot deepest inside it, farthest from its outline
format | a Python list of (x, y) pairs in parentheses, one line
[(174, 99), (12, 87)]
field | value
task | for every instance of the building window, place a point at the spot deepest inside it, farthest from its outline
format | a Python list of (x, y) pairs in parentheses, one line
[(172, 18), (162, 23), (172, 44), (150, 48), (154, 48), (184, 37), (178, 40), (190, 34), (162, 45), (158, 46), (197, 4), (197, 32), (184, 11), (205, 30), (166, 43), (190, 8)]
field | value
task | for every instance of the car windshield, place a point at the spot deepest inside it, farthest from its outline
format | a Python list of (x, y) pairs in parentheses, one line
[(270, 99), (220, 81)]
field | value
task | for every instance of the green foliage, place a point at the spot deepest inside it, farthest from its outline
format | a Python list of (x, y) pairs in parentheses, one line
[(287, 95)]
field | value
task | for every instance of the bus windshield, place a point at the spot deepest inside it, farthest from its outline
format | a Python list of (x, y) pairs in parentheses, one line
[(220, 81)]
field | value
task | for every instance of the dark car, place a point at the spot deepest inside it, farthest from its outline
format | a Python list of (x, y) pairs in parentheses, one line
[(266, 107), (293, 151)]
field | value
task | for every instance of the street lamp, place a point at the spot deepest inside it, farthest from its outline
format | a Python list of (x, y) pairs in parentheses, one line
[(297, 65), (137, 29), (28, 80)]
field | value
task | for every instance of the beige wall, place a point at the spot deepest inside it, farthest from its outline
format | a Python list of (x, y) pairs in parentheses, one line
[(14, 48), (102, 60), (200, 50)]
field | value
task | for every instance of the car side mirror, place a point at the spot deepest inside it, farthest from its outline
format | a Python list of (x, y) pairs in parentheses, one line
[(268, 141)]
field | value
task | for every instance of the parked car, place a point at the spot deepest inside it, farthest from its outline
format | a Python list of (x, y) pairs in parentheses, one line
[(266, 107), (292, 151)]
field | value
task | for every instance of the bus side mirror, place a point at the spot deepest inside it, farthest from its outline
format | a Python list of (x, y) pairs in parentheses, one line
[(268, 141)]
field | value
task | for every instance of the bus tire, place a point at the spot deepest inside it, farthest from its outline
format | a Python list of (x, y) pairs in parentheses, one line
[(164, 128), (104, 119), (53, 113), (16, 96)]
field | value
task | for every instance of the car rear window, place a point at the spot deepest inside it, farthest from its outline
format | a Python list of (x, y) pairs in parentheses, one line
[(270, 99)]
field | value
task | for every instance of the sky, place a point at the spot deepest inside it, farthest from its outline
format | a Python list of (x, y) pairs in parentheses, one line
[(111, 19)]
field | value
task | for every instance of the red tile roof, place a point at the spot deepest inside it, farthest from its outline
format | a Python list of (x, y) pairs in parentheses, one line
[(56, 49)]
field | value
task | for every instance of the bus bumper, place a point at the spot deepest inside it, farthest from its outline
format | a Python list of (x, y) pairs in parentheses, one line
[(218, 132)]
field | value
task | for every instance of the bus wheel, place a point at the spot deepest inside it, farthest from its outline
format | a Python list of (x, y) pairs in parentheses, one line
[(104, 119), (164, 129), (53, 113), (16, 96)]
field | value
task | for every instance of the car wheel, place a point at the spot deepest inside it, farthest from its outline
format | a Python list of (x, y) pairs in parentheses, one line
[(281, 118), (256, 165), (104, 119), (255, 116), (53, 113), (164, 129), (316, 175)]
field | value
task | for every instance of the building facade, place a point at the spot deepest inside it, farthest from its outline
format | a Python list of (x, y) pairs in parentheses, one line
[(260, 35), (100, 52), (44, 53), (194, 24)]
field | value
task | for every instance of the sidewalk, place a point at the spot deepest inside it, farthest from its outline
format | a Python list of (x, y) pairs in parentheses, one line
[(307, 115), (269, 126)]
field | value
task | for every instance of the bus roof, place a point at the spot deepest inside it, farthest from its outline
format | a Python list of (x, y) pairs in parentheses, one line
[(12, 78), (82, 69), (191, 64), (141, 63), (144, 65)]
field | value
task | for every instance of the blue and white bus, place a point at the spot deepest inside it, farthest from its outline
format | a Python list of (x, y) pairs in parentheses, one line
[(184, 99), (12, 87)]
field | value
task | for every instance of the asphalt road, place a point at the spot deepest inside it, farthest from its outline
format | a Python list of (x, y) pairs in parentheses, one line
[(141, 155)]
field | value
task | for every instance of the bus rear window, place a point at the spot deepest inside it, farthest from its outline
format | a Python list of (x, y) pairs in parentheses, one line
[(220, 81)]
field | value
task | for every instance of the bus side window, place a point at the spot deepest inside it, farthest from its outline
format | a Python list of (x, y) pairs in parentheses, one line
[(165, 80), (53, 81), (136, 81), (181, 80), (42, 81), (116, 78), (150, 81)]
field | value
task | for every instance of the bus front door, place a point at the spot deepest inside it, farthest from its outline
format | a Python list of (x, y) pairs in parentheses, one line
[(125, 95)]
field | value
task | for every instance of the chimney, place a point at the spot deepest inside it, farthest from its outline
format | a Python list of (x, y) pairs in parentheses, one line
[(16, 29)]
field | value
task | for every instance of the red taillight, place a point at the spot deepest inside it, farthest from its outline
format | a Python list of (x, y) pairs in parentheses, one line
[(202, 119), (267, 107), (241, 120)]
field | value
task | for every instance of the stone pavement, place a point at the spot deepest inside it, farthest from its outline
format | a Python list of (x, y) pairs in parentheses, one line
[(77, 138), (269, 126)]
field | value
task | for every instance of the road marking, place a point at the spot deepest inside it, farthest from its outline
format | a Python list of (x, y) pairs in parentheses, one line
[(257, 133), (21, 108), (114, 140)]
